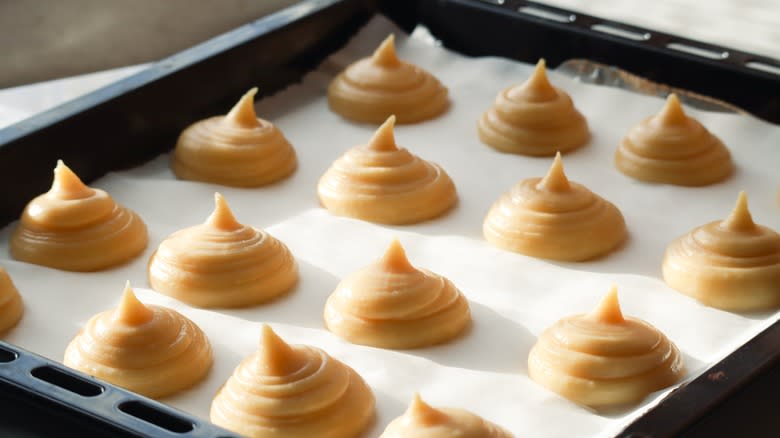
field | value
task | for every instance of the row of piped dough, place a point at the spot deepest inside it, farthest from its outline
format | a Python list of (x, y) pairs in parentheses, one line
[(732, 264)]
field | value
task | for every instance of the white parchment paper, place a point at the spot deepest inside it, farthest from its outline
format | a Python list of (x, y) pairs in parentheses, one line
[(513, 297)]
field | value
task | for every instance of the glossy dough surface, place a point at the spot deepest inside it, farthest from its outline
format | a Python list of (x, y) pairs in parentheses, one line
[(732, 264), (222, 263), (384, 183), (423, 421), (239, 149), (534, 118), (374, 88), (11, 306), (392, 304), (152, 350), (673, 148), (601, 359), (553, 218), (293, 391), (77, 228)]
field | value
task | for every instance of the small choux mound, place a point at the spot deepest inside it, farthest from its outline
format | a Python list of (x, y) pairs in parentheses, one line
[(11, 307), (423, 421), (732, 264), (534, 118), (293, 391), (673, 148), (554, 218), (382, 182), (222, 263), (602, 359), (152, 350), (373, 88), (77, 228), (239, 149), (392, 304)]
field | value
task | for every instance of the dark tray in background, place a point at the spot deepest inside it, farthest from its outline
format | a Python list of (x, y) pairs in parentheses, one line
[(139, 117)]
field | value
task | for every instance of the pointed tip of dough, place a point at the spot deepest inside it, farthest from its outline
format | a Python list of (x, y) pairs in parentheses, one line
[(385, 54), (275, 356), (423, 413), (67, 185), (384, 138), (555, 180), (672, 112), (538, 87), (395, 260), (740, 217), (222, 217), (130, 310), (608, 309), (243, 112)]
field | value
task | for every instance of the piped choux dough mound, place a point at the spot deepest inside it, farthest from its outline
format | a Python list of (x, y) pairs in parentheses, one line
[(373, 88), (11, 307), (673, 148), (392, 304), (533, 118), (222, 263), (293, 391), (382, 182), (604, 360), (239, 149), (152, 350), (77, 228), (423, 421), (732, 264), (554, 218)]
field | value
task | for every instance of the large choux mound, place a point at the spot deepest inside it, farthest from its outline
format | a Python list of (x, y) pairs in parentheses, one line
[(673, 148), (239, 149), (374, 88), (601, 359), (554, 218), (423, 421), (222, 263), (293, 391), (382, 182), (534, 118), (392, 304), (152, 350), (732, 264), (11, 307), (77, 228)]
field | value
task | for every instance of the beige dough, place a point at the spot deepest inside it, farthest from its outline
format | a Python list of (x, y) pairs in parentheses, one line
[(151, 350), (382, 182), (602, 359), (239, 149), (374, 88), (732, 264), (673, 148), (534, 118), (77, 228), (553, 218), (392, 304), (11, 306), (222, 263), (293, 391), (423, 421)]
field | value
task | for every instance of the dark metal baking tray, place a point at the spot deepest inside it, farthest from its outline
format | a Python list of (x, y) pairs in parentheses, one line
[(139, 117)]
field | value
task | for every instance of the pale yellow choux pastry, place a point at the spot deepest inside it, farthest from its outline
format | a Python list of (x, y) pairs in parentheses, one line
[(11, 306)]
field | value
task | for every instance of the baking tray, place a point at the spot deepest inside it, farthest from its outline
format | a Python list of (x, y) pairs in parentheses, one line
[(137, 118)]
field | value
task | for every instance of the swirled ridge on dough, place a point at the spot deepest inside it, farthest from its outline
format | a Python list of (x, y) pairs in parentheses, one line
[(732, 264), (392, 304), (222, 263), (152, 350), (11, 306), (603, 359), (293, 391), (77, 228)]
